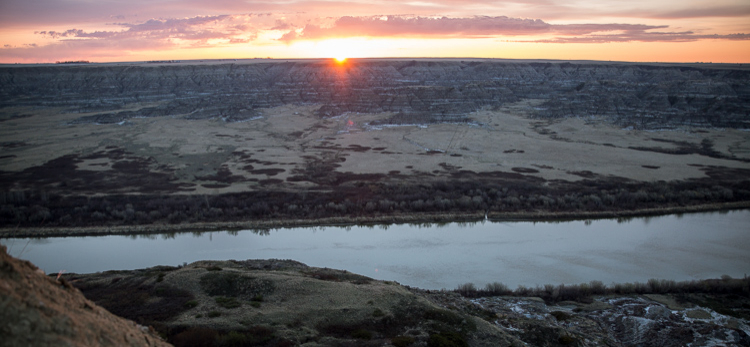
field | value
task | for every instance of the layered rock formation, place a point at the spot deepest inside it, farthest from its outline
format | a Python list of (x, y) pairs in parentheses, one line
[(36, 310), (418, 91)]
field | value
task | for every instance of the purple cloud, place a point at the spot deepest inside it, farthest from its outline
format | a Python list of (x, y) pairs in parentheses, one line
[(56, 35), (704, 12), (202, 28), (384, 26), (282, 25), (687, 36), (484, 26), (173, 24)]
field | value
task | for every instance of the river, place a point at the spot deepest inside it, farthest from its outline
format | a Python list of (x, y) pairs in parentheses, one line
[(677, 247)]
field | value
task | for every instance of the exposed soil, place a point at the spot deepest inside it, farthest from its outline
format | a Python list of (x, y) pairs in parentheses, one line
[(39, 310)]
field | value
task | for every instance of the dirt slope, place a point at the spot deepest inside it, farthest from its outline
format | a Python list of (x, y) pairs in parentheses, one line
[(36, 310)]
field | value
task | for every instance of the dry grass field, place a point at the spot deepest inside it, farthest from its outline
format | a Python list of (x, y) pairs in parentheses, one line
[(214, 157)]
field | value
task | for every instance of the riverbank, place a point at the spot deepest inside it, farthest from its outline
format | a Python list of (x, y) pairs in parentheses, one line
[(410, 218), (287, 303)]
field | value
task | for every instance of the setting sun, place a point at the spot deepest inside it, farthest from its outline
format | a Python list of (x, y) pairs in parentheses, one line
[(340, 59)]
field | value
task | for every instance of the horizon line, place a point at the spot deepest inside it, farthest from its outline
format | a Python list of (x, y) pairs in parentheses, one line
[(175, 61)]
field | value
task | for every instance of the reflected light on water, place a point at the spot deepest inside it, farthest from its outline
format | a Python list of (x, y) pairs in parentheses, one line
[(435, 256)]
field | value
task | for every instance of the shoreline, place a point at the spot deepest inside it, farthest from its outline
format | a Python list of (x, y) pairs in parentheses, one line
[(529, 216)]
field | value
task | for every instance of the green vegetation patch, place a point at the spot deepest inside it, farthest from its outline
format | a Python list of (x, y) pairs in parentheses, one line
[(338, 276), (222, 283), (449, 321), (227, 302), (408, 312), (737, 306)]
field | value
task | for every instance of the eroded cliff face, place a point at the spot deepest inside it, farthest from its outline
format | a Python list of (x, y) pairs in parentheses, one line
[(36, 310), (417, 91)]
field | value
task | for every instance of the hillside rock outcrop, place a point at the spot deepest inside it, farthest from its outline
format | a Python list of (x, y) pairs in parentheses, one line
[(418, 91)]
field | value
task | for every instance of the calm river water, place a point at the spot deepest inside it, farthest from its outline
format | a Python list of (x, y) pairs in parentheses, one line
[(678, 247)]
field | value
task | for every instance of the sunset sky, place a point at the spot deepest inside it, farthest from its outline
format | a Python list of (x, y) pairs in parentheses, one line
[(36, 31)]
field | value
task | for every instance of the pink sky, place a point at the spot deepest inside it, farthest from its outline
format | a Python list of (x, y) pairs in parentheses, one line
[(33, 31)]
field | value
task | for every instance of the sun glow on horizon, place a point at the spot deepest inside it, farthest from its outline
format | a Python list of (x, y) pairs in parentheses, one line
[(343, 49)]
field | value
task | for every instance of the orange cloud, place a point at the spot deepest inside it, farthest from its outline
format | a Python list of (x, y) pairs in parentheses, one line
[(67, 30)]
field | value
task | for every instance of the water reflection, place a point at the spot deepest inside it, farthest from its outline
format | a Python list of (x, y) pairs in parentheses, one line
[(441, 255)]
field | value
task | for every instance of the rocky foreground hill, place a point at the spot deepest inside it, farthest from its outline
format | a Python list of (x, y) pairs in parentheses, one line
[(286, 303)]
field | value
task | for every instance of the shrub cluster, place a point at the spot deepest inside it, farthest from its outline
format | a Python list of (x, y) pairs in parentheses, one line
[(138, 299), (584, 291), (469, 193), (208, 337)]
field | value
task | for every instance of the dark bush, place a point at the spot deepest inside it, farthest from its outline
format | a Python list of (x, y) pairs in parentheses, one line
[(226, 302), (362, 334), (402, 341), (467, 192), (560, 315), (231, 339), (447, 339), (132, 298), (495, 289), (233, 285), (585, 291), (195, 337), (566, 340), (468, 290)]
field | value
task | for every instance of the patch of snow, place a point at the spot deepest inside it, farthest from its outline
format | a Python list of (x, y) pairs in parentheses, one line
[(383, 126), (244, 120), (511, 328)]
